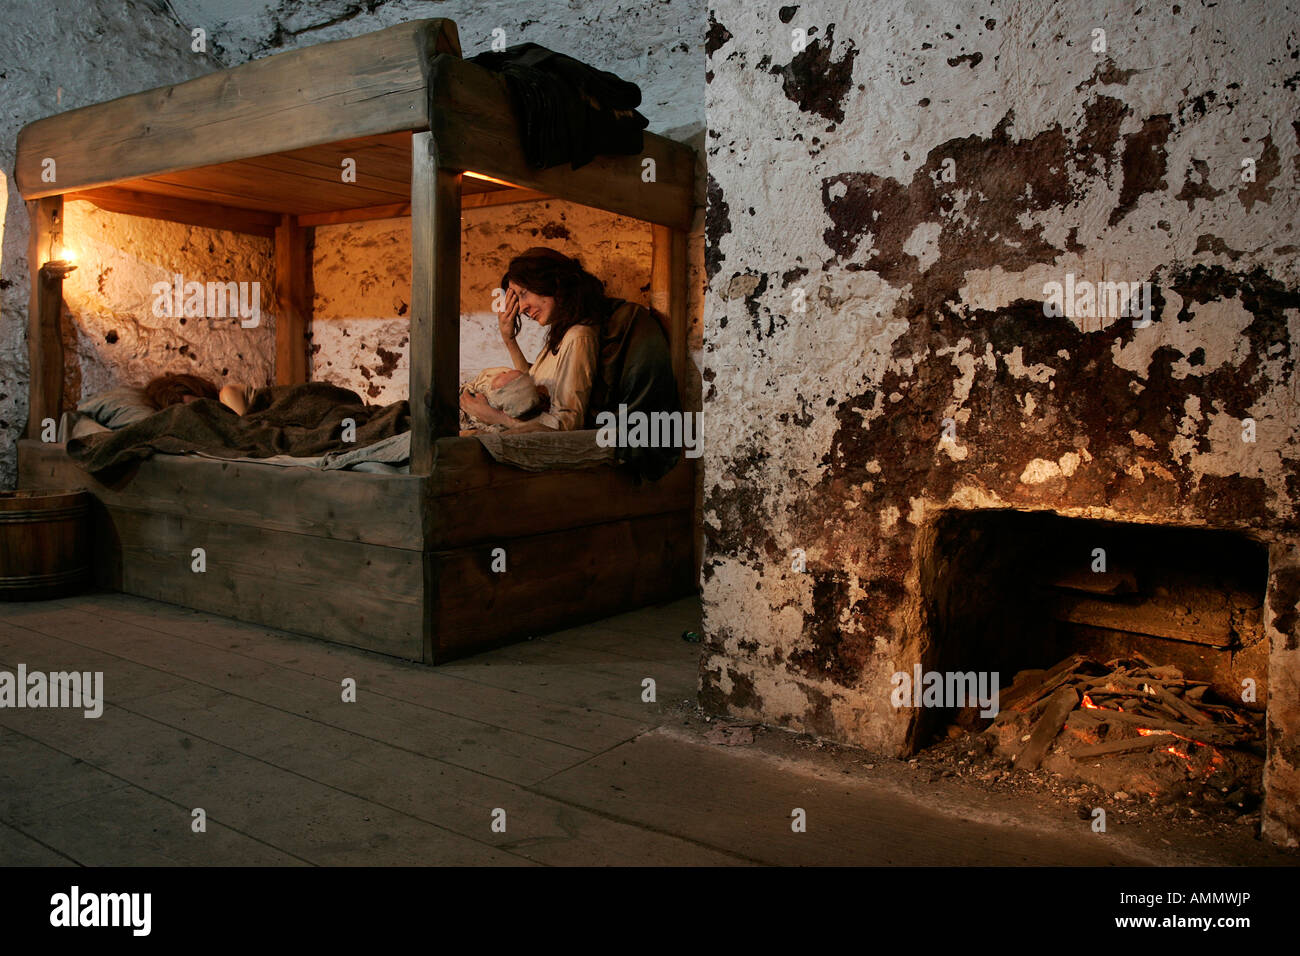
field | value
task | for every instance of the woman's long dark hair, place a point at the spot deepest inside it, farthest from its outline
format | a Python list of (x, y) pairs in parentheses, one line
[(579, 296)]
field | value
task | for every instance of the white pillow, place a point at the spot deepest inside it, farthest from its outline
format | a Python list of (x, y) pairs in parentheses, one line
[(118, 407)]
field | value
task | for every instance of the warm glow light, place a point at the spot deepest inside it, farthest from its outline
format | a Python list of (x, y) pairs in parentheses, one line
[(67, 255), (489, 179)]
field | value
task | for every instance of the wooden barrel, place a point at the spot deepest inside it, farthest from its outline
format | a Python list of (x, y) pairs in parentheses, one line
[(44, 544)]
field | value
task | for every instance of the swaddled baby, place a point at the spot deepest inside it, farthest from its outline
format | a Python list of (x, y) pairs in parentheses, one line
[(507, 390)]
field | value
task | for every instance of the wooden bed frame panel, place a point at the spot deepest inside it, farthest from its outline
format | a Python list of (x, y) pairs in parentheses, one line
[(556, 580), (277, 579), (345, 505), (414, 551), (399, 564)]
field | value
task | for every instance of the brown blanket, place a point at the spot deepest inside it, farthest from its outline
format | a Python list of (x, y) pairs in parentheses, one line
[(297, 420)]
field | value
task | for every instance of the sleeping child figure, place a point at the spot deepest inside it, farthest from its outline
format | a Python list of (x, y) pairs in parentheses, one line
[(507, 390)]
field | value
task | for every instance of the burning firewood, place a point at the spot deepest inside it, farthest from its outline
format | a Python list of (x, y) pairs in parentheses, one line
[(1090, 719)]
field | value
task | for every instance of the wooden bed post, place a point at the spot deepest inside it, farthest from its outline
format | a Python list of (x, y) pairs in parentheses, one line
[(44, 314), (291, 300), (668, 294), (435, 302)]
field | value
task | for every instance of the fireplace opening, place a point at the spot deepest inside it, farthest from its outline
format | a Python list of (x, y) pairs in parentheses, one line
[(1129, 656)]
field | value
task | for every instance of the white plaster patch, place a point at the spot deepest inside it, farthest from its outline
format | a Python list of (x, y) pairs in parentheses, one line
[(923, 243), (1215, 334), (1037, 372), (1039, 470)]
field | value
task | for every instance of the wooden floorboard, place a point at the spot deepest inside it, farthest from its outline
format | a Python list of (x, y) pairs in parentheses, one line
[(308, 820), (537, 828), (247, 723), (588, 678), (18, 849), (727, 799), (472, 744), (511, 710)]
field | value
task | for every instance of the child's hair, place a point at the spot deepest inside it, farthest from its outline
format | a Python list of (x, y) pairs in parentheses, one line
[(579, 296), (166, 390)]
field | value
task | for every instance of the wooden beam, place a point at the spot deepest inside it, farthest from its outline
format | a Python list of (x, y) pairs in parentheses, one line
[(668, 294), (475, 129), (132, 202), (293, 304), (435, 302), (398, 210), (668, 274), (44, 314), (502, 197), (402, 210), (361, 86)]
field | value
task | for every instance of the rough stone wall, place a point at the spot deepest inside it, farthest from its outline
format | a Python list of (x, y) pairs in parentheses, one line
[(911, 179), (362, 274), (109, 303)]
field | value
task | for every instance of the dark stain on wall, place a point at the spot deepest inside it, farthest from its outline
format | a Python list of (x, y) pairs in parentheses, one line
[(1000, 177), (1196, 184), (816, 83), (1283, 598), (752, 304), (717, 37), (1102, 118), (1144, 163), (387, 362), (717, 223), (1267, 168), (841, 631)]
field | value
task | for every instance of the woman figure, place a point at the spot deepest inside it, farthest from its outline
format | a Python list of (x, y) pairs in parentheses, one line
[(570, 303)]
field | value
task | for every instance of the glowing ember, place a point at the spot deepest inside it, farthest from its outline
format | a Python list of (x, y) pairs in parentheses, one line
[(1087, 702), (1145, 732)]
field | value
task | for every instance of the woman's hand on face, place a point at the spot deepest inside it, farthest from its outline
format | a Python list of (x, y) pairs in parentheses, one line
[(508, 315)]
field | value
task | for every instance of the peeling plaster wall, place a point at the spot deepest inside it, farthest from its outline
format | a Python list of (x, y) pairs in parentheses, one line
[(362, 272), (885, 208)]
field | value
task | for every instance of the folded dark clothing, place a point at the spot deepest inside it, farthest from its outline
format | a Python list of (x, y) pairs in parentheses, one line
[(636, 371), (568, 111), (298, 420)]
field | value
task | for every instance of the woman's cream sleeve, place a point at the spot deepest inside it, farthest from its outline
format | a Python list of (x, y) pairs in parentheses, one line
[(569, 376)]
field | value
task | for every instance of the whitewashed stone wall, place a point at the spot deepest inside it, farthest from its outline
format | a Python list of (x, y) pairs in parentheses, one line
[(910, 179)]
